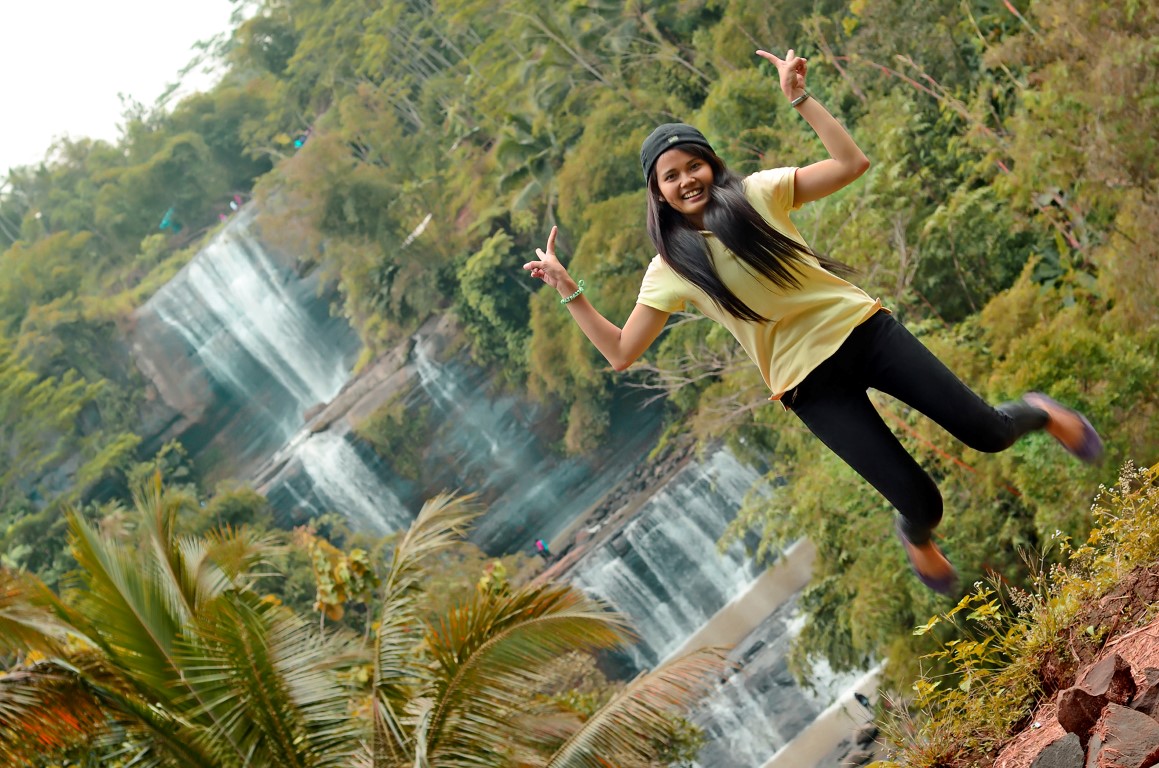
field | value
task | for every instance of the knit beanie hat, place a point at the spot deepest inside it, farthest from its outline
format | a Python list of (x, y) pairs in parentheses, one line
[(665, 138)]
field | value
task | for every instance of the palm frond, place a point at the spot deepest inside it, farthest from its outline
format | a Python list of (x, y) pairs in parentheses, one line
[(201, 578), (128, 611), (489, 654), (241, 552), (138, 602), (623, 731), (268, 682), (58, 705), (140, 726), (29, 620), (441, 522), (177, 582)]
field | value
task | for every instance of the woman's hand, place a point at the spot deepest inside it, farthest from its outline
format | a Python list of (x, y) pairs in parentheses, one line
[(846, 161), (548, 269), (792, 71)]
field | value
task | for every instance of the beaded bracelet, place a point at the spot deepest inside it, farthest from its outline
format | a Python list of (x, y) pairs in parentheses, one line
[(579, 289)]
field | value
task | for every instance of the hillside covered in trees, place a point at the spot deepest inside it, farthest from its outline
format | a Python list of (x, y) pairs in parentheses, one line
[(1008, 218)]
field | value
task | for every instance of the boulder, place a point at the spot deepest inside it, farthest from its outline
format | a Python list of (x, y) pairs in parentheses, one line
[(1080, 706), (1147, 702), (1066, 752), (1111, 678), (1123, 738)]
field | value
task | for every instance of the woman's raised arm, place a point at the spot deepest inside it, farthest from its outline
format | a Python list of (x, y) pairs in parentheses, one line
[(621, 347), (846, 160)]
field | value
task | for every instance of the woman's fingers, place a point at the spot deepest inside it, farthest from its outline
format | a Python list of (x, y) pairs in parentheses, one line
[(771, 57), (546, 259)]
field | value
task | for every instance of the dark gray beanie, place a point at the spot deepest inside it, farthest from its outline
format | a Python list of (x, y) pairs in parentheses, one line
[(665, 138)]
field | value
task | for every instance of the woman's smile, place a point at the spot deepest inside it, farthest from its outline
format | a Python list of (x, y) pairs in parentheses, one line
[(685, 181)]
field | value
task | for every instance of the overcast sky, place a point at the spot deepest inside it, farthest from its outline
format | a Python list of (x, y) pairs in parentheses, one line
[(63, 62)]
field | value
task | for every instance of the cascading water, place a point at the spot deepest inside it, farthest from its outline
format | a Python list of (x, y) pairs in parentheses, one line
[(493, 444), (261, 341), (233, 302), (327, 473), (761, 708), (663, 570)]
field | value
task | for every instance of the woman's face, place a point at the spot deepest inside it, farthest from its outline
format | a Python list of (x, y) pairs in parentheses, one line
[(685, 181)]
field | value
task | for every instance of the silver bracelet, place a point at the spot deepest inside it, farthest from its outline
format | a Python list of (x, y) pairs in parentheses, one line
[(799, 100)]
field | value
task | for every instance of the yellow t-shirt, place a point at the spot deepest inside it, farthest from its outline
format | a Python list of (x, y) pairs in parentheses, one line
[(806, 325)]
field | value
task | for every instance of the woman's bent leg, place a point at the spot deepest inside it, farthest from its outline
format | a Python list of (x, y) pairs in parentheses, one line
[(851, 427)]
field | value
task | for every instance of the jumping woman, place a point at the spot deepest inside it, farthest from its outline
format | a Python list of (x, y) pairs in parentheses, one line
[(727, 246)]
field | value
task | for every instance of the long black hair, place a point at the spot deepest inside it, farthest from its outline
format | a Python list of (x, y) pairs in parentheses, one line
[(736, 223)]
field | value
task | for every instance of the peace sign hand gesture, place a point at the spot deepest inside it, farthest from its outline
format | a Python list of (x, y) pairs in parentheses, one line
[(548, 269), (792, 70)]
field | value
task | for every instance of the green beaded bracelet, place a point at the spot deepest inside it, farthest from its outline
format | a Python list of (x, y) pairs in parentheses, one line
[(574, 296)]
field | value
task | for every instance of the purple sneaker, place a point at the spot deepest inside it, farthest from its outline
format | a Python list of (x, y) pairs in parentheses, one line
[(1087, 446), (929, 564)]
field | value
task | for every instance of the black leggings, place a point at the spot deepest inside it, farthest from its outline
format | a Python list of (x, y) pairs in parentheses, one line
[(880, 353)]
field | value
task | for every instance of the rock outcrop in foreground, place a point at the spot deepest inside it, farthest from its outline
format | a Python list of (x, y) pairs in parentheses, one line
[(1108, 718)]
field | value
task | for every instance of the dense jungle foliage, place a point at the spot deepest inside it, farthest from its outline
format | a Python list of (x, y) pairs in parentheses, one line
[(1008, 218)]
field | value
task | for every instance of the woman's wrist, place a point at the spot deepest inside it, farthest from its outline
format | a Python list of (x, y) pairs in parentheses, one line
[(579, 289), (566, 287), (799, 98)]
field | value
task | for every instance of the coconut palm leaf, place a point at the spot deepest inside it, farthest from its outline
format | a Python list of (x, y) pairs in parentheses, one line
[(490, 654), (242, 554), (56, 705), (137, 600), (29, 619), (126, 605), (139, 726), (441, 522), (623, 731), (187, 577), (268, 682)]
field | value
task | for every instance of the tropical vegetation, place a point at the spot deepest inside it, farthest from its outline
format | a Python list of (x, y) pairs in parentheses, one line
[(166, 652), (414, 152)]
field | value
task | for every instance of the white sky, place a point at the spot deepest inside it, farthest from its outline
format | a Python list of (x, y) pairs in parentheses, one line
[(65, 61)]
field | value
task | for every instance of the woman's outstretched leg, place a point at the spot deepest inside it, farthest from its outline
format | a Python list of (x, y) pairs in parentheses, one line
[(904, 368)]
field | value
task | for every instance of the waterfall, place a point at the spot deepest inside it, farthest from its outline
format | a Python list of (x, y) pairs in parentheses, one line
[(663, 570), (761, 708), (240, 348), (262, 335), (493, 444), (488, 436), (326, 473)]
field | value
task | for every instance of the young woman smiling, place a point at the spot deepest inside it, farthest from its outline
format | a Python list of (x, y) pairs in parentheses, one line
[(728, 246)]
